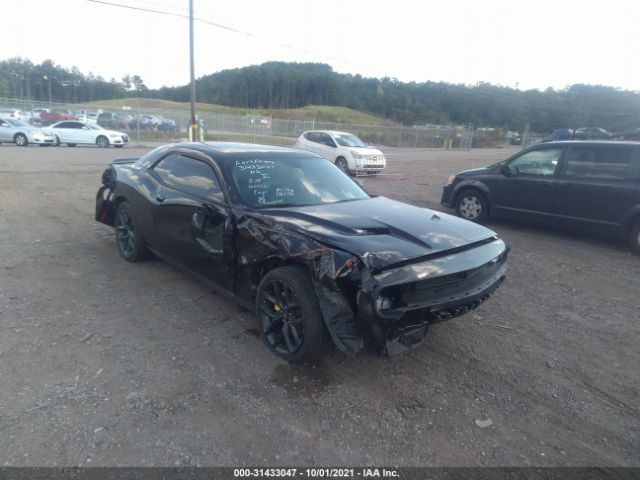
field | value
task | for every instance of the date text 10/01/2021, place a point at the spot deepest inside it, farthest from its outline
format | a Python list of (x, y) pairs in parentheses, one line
[(316, 472)]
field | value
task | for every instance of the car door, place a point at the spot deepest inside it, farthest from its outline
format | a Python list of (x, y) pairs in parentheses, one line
[(594, 186), (83, 134), (525, 184), (5, 131), (65, 132), (327, 146), (310, 141), (190, 219)]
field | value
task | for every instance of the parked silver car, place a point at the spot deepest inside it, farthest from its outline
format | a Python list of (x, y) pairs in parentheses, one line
[(22, 134)]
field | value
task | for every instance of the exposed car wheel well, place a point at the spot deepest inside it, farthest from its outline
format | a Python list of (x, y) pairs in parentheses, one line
[(272, 264), (111, 212)]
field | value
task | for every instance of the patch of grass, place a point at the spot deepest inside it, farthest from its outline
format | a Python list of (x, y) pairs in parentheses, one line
[(321, 113)]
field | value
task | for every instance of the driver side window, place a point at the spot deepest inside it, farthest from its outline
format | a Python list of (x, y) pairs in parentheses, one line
[(539, 163)]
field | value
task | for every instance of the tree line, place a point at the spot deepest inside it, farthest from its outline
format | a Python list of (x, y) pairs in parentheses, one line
[(282, 85), (47, 82), (276, 85)]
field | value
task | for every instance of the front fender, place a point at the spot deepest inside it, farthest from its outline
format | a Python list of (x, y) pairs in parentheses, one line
[(473, 183), (265, 245)]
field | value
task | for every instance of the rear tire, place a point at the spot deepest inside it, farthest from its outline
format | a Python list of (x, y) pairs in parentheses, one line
[(289, 316), (634, 238), (129, 239), (21, 140), (472, 205)]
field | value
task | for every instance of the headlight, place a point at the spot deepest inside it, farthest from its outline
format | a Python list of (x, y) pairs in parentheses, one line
[(356, 155), (114, 135), (451, 179)]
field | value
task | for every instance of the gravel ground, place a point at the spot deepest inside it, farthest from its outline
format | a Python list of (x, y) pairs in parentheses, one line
[(108, 363)]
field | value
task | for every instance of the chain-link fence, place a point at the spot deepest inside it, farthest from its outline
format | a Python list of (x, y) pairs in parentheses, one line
[(149, 124)]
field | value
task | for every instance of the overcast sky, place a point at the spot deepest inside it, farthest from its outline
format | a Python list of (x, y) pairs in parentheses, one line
[(528, 44)]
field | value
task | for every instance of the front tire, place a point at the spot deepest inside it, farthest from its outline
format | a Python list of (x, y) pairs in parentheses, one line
[(21, 140), (634, 238), (129, 239), (342, 164), (289, 316), (472, 205), (102, 141)]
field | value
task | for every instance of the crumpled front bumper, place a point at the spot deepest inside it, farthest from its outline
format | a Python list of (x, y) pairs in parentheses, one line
[(401, 301)]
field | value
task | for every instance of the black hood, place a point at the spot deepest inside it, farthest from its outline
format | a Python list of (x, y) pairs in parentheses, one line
[(380, 231)]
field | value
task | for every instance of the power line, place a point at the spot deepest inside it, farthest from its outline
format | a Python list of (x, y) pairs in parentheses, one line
[(465, 91), (216, 25)]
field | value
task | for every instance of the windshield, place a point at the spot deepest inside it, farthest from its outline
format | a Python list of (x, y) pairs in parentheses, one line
[(17, 123), (348, 140), (262, 183)]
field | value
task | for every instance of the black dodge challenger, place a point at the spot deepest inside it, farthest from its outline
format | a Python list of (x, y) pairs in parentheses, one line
[(287, 234)]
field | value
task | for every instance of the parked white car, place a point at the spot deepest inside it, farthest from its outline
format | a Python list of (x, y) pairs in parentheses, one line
[(22, 134), (73, 133), (13, 113), (87, 117), (347, 151)]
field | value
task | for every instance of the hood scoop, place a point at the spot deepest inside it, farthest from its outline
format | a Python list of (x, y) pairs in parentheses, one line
[(373, 230)]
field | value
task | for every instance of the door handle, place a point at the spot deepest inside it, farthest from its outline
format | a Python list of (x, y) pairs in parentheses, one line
[(160, 198)]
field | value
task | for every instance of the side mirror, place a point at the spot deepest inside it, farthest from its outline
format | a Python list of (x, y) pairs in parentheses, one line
[(509, 171)]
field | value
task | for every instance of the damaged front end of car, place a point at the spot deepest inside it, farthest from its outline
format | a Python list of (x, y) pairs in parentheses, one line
[(367, 295), (399, 302)]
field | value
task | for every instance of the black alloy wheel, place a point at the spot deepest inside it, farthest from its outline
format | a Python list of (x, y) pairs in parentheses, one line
[(128, 237), (289, 316)]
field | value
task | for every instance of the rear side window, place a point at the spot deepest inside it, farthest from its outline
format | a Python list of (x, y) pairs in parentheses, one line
[(598, 163), (312, 137), (189, 175)]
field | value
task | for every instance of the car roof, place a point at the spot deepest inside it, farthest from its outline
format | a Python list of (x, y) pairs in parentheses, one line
[(593, 142), (241, 151), (332, 132)]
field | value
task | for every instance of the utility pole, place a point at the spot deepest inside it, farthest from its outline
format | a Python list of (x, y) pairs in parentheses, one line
[(194, 134)]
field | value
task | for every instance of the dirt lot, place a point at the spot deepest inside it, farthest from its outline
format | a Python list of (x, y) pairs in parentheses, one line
[(108, 363)]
